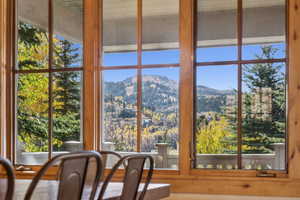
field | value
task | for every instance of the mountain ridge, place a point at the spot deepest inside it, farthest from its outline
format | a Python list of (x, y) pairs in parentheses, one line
[(171, 84)]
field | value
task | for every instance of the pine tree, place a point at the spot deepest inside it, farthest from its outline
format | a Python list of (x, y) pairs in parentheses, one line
[(263, 126), (67, 93)]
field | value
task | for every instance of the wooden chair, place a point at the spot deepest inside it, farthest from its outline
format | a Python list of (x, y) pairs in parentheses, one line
[(10, 178), (133, 174), (72, 171)]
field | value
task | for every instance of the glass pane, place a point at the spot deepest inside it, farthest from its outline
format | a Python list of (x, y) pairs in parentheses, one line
[(216, 125), (68, 33), (119, 110), (33, 44), (264, 116), (67, 111), (216, 30), (160, 32), (32, 119), (264, 25), (160, 116), (119, 32), (161, 56), (257, 51)]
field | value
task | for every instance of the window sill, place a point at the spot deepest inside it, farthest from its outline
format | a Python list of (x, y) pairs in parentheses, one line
[(195, 174)]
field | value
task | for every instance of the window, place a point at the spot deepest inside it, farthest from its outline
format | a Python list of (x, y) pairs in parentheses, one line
[(140, 79), (48, 78), (216, 124), (241, 85)]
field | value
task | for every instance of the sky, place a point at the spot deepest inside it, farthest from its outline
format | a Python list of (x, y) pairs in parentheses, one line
[(218, 77)]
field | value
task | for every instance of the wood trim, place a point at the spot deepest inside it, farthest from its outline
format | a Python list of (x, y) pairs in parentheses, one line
[(3, 29), (186, 86), (242, 62), (91, 62), (139, 32), (235, 173), (50, 78), (287, 71), (239, 78), (141, 66), (30, 71), (294, 89), (99, 81), (6, 76), (11, 82), (209, 185)]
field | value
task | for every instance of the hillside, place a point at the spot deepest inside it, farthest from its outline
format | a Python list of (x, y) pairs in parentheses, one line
[(161, 93)]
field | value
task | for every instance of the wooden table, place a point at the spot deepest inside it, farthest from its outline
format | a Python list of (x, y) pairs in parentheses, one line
[(47, 190)]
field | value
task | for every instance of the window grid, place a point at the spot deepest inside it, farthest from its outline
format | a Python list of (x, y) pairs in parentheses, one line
[(139, 67), (50, 70), (240, 62)]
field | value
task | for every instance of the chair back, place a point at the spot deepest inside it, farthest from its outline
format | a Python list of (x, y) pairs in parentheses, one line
[(133, 174), (6, 165), (105, 155), (72, 171)]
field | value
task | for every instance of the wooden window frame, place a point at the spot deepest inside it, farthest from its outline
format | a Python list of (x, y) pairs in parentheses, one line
[(138, 67), (185, 179), (239, 62), (49, 71)]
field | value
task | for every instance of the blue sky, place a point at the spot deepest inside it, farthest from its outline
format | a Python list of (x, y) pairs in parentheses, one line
[(218, 77)]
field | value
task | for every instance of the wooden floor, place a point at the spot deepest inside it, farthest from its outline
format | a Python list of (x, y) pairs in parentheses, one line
[(223, 197)]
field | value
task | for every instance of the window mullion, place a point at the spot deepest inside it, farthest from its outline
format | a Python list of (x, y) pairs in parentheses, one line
[(186, 105), (90, 69), (50, 63), (239, 114), (139, 73)]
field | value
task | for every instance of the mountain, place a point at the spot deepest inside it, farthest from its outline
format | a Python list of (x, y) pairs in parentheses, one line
[(203, 90), (126, 87), (159, 92)]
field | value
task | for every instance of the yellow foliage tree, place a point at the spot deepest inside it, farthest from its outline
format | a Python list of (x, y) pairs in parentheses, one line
[(211, 138)]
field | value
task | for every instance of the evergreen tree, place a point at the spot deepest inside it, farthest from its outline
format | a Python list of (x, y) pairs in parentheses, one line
[(67, 94), (29, 34), (67, 84), (263, 104)]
